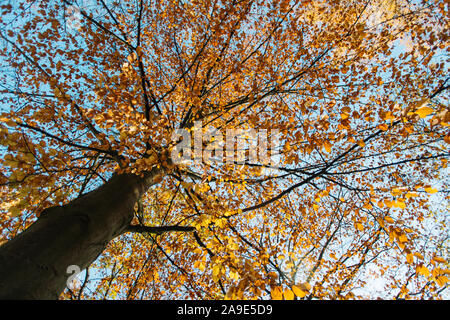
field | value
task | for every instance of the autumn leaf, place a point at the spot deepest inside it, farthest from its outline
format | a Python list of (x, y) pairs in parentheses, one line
[(430, 190), (403, 238), (419, 255), (421, 269), (224, 149), (277, 293), (288, 294), (388, 219), (298, 291), (361, 143), (441, 280), (424, 111), (409, 258), (327, 146), (439, 259), (359, 226)]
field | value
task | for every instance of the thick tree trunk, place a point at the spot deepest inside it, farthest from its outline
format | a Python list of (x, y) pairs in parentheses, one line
[(34, 264)]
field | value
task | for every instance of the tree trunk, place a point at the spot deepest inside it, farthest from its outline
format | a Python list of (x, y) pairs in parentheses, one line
[(33, 265)]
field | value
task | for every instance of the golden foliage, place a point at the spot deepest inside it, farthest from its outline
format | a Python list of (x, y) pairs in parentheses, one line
[(363, 141)]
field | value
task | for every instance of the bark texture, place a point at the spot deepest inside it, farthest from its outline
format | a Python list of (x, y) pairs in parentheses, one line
[(33, 265)]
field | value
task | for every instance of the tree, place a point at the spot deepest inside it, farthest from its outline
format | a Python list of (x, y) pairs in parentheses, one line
[(94, 93)]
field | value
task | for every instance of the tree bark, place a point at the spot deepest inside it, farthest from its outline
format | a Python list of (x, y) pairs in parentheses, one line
[(33, 265)]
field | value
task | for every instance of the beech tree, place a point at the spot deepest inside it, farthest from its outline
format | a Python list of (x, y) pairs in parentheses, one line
[(351, 203)]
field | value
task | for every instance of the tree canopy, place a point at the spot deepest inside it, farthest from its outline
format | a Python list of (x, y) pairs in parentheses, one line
[(354, 202)]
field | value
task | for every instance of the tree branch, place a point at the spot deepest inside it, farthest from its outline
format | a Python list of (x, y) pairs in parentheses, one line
[(158, 230)]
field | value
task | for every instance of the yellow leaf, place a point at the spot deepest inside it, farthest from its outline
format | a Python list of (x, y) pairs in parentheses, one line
[(389, 116), (217, 271), (359, 226), (418, 255), (288, 294), (287, 146), (368, 206), (403, 238), (221, 222), (441, 280), (430, 190), (389, 219), (200, 264), (421, 269), (424, 111), (409, 258), (234, 275), (298, 292), (361, 143), (400, 204), (389, 203), (327, 146), (233, 245), (411, 195), (439, 259), (277, 293)]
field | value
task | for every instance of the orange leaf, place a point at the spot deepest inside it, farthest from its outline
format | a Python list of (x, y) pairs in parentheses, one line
[(439, 259), (430, 190), (389, 219), (421, 269), (441, 280), (327, 146), (288, 294), (424, 111), (298, 292), (277, 293)]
